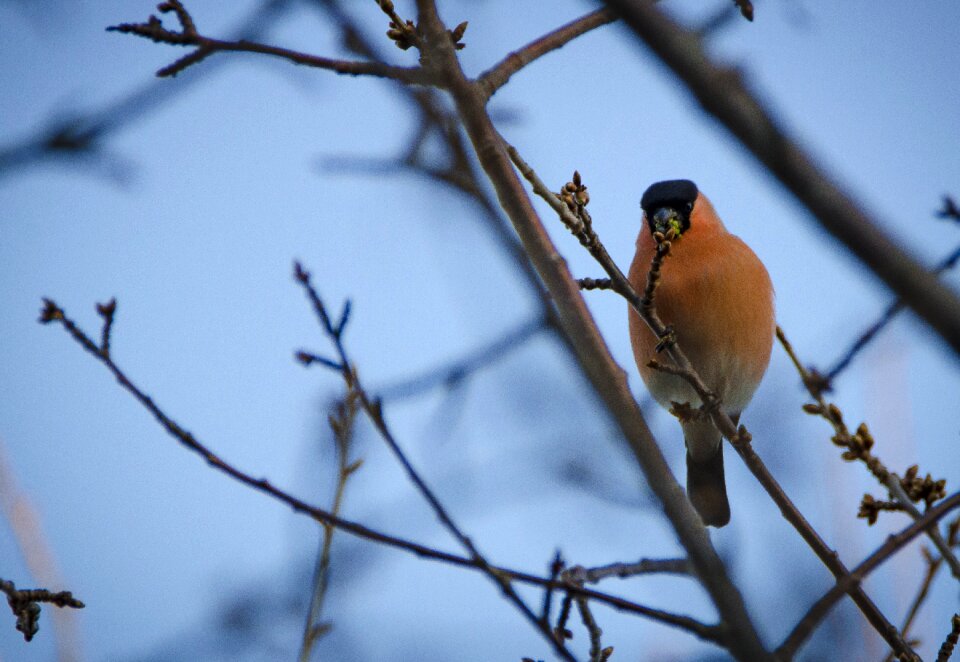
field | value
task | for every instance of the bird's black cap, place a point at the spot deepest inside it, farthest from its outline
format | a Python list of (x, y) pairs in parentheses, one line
[(671, 193)]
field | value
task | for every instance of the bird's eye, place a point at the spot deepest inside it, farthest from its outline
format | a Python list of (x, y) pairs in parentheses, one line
[(689, 206)]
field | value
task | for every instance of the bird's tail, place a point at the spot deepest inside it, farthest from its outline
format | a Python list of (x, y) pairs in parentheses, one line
[(706, 487)]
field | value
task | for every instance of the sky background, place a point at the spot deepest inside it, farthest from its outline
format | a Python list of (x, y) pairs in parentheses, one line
[(194, 211)]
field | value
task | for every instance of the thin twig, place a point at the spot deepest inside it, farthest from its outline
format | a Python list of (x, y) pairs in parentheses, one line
[(859, 447), (589, 622), (374, 412), (188, 36), (946, 649), (933, 566), (25, 525), (52, 313), (25, 605), (454, 373), (894, 543), (341, 423), (497, 76), (871, 332), (560, 631), (83, 134), (625, 570), (556, 566)]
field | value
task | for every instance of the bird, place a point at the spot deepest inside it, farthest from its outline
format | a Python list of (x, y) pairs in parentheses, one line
[(716, 296)]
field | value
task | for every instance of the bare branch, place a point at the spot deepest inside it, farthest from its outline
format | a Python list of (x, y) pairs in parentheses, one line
[(597, 652), (455, 372), (205, 46), (82, 135), (374, 412), (25, 604), (894, 543), (871, 332), (723, 94), (497, 76), (739, 437), (52, 313), (27, 535), (946, 649), (589, 348), (625, 570), (341, 423), (859, 446)]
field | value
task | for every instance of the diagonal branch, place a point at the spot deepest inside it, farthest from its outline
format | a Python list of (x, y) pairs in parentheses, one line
[(859, 447), (590, 350), (582, 226), (374, 412), (52, 313), (894, 543), (497, 76), (723, 94), (870, 333), (454, 373)]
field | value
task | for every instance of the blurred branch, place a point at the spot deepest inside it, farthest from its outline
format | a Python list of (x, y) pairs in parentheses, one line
[(25, 604), (588, 346), (624, 570), (374, 412), (933, 566), (28, 536), (722, 93), (571, 206), (597, 652), (341, 423), (497, 76), (460, 172), (870, 333), (578, 576), (82, 134), (859, 446), (205, 46), (53, 314), (456, 372), (894, 543)]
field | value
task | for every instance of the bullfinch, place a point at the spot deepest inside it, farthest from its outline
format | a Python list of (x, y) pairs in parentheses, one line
[(717, 296)]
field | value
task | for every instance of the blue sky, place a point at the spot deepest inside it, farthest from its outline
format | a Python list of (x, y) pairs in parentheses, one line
[(193, 220)]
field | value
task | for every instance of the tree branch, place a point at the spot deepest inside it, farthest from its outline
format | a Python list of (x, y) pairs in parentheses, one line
[(497, 76), (579, 222), (25, 605), (859, 447), (52, 313), (894, 543), (374, 411), (871, 332), (594, 358), (205, 46)]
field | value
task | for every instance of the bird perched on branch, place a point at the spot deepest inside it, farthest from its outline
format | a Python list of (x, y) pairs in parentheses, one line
[(716, 296)]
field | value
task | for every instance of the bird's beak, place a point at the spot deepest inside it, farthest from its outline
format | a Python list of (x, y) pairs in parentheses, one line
[(665, 218)]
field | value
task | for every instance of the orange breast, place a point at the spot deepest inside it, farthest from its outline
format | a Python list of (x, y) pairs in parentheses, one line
[(718, 296)]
